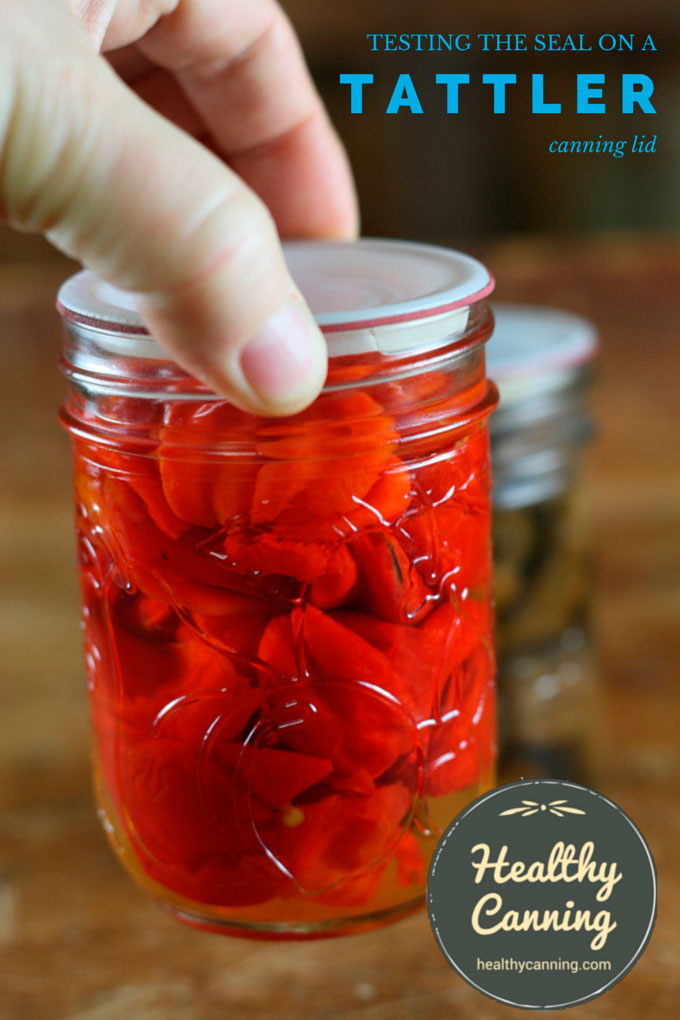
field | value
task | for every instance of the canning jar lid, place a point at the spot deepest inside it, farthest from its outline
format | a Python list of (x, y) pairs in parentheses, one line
[(366, 295), (535, 350)]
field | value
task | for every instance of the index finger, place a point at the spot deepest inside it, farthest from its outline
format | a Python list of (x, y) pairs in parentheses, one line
[(241, 66)]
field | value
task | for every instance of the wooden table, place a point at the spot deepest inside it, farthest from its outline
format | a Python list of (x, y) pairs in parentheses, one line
[(78, 941)]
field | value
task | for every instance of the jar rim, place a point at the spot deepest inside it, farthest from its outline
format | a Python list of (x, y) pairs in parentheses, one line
[(367, 295)]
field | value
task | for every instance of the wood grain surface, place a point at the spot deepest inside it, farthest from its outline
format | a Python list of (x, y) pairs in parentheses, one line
[(78, 941)]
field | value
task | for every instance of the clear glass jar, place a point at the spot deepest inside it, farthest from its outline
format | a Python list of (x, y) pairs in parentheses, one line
[(539, 358), (287, 622)]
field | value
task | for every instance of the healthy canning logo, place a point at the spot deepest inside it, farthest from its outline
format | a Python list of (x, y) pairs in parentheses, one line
[(542, 894)]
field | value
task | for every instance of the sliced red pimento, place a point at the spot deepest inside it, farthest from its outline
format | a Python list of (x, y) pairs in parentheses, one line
[(460, 474), (338, 837), (337, 584), (238, 628), (166, 569), (276, 777), (359, 729), (137, 465), (153, 617), (390, 586), (169, 775), (303, 473), (449, 547), (278, 651), (147, 485), (164, 808), (157, 673), (461, 747), (384, 503), (410, 862), (175, 834), (266, 553), (148, 660), (192, 717), (422, 658), (413, 654), (328, 569), (201, 486), (308, 643), (338, 651), (213, 881)]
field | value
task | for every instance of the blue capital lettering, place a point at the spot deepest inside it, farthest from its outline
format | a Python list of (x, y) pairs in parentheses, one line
[(636, 88), (404, 95), (589, 87), (499, 82), (452, 81), (356, 83)]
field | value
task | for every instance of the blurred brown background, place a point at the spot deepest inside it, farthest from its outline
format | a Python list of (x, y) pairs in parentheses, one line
[(475, 173), (77, 940)]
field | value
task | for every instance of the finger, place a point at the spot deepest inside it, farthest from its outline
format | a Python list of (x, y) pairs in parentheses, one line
[(159, 89), (241, 66), (150, 210)]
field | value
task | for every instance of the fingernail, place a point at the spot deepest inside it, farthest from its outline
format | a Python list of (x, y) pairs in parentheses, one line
[(285, 362)]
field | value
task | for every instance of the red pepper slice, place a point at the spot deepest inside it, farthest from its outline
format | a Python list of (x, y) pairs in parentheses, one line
[(450, 548), (339, 837), (412, 660), (459, 755), (421, 658), (410, 862), (329, 570), (138, 466), (277, 777), (239, 627), (347, 426), (442, 666), (168, 774), (309, 643), (390, 586), (249, 883), (200, 487), (337, 585), (176, 838), (167, 569), (313, 647), (462, 745), (461, 474), (386, 501)]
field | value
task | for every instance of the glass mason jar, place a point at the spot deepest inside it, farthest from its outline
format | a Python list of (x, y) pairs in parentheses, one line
[(540, 360), (287, 622)]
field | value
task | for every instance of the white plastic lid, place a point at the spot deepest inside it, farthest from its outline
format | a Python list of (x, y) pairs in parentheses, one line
[(366, 295), (532, 348)]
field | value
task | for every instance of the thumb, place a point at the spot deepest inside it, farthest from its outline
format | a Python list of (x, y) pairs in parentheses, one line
[(124, 191)]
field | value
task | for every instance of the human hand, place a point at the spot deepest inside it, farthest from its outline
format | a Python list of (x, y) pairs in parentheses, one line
[(114, 178)]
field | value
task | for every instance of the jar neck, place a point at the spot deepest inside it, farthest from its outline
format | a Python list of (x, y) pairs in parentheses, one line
[(431, 389), (101, 361)]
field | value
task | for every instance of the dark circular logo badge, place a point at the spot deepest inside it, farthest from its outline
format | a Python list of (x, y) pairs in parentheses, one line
[(542, 894)]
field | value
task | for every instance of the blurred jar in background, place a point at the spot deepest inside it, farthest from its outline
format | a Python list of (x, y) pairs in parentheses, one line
[(540, 360)]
